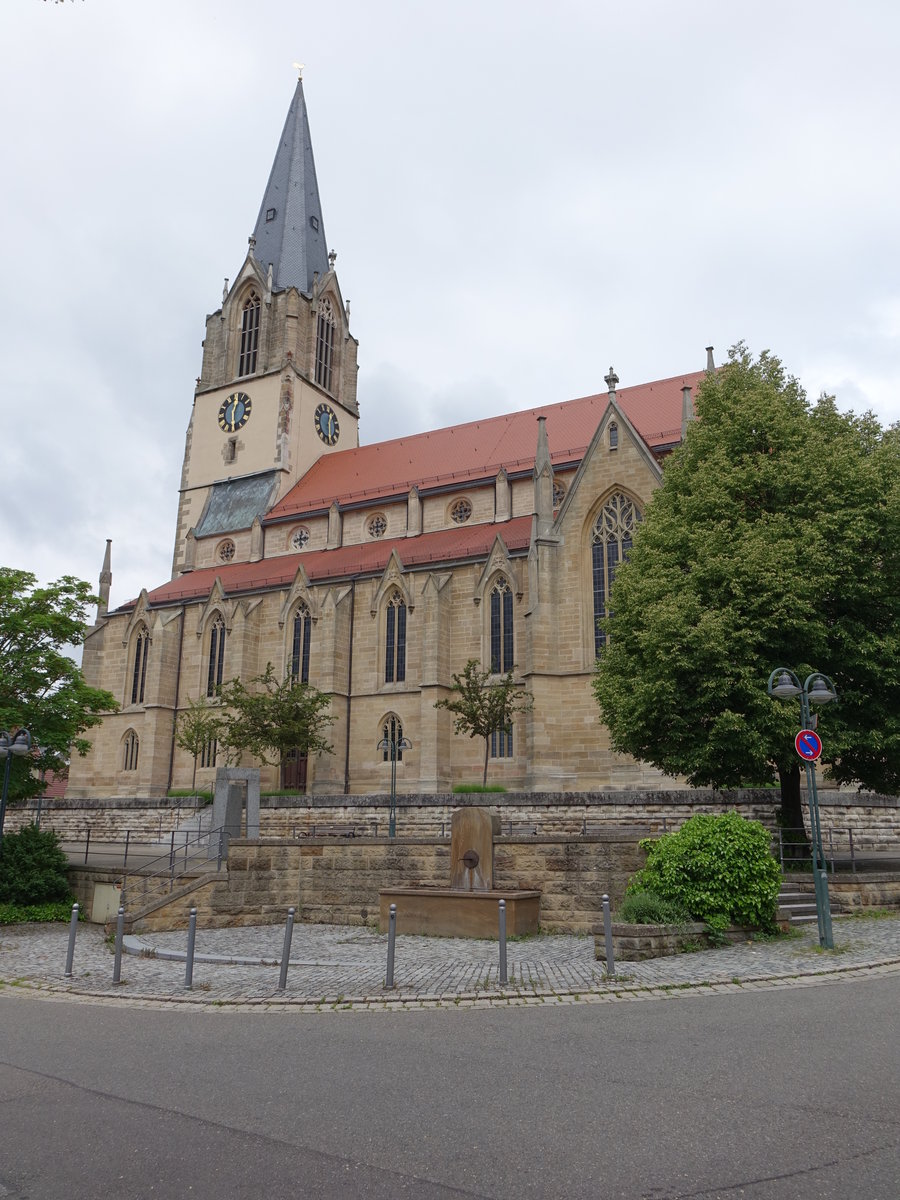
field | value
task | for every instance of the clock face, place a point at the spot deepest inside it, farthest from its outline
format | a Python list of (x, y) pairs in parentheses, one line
[(235, 412), (327, 424)]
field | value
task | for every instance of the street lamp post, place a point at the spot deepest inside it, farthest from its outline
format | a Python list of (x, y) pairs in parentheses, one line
[(393, 744), (19, 744), (818, 689)]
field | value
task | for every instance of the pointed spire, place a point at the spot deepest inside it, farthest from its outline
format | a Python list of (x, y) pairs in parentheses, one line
[(289, 231), (105, 581), (543, 482), (687, 409)]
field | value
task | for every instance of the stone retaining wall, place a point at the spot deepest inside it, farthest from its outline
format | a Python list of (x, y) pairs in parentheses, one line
[(874, 820), (635, 943), (336, 881)]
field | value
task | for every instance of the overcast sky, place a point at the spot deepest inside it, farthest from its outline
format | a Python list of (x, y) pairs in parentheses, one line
[(520, 194)]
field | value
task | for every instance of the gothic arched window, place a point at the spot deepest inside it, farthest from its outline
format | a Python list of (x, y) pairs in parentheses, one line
[(325, 344), (611, 540), (139, 669), (301, 634), (392, 731), (249, 335), (501, 626), (613, 436), (216, 665), (131, 746), (395, 640)]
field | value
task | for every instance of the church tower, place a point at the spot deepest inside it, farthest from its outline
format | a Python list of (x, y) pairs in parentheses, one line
[(277, 387)]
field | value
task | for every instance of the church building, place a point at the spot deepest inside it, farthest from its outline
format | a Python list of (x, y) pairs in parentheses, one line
[(374, 572)]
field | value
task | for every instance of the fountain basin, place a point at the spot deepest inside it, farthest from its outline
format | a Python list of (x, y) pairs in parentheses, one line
[(452, 912)]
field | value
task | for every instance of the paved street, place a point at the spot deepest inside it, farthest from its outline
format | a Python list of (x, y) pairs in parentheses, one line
[(782, 1093), (343, 965)]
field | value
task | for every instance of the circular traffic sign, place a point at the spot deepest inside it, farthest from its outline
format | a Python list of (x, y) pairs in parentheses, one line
[(808, 744)]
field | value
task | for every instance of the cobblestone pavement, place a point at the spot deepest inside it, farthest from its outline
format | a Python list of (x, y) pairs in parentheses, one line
[(342, 966)]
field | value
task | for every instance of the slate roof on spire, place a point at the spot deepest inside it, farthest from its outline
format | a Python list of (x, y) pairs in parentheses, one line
[(289, 230)]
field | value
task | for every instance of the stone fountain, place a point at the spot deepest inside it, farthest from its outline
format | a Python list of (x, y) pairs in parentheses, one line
[(468, 907)]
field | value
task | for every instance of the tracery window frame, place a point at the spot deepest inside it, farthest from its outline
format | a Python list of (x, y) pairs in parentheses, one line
[(248, 351), (395, 627), (612, 536), (215, 672), (131, 747), (501, 626), (301, 640), (324, 358), (139, 664), (502, 742), (208, 752), (392, 727)]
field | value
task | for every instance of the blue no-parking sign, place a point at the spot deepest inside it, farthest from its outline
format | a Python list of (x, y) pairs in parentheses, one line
[(808, 744)]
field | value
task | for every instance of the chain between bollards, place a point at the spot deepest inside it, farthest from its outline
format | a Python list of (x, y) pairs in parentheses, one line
[(73, 929), (286, 952), (392, 934), (607, 933), (503, 976), (120, 933), (189, 960)]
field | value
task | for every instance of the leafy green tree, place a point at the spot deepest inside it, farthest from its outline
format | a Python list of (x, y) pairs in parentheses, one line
[(773, 540), (484, 704), (198, 725), (719, 869), (41, 688), (271, 718)]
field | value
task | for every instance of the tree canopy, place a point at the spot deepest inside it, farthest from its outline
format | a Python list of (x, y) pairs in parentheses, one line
[(270, 718), (41, 687), (484, 703), (773, 540)]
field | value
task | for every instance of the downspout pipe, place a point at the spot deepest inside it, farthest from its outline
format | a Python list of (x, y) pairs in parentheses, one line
[(349, 688), (175, 706)]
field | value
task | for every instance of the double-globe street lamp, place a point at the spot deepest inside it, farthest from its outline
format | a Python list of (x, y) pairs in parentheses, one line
[(19, 744), (391, 745), (818, 689)]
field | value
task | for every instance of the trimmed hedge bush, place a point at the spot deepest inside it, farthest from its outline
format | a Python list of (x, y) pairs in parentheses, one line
[(33, 868), (648, 908), (719, 869)]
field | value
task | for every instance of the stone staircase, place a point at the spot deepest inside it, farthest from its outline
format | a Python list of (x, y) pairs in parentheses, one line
[(798, 899)]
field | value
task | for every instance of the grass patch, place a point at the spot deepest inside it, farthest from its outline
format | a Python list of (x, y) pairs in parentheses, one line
[(867, 914), (203, 796), (462, 789)]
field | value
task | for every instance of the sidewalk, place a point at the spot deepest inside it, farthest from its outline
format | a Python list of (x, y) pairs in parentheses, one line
[(344, 966)]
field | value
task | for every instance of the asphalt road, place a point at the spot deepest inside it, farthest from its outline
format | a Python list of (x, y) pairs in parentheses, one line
[(791, 1094)]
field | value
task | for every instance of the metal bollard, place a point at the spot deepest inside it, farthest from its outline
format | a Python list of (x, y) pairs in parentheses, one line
[(189, 961), (392, 934), (73, 929), (286, 952), (503, 976), (120, 933), (607, 931)]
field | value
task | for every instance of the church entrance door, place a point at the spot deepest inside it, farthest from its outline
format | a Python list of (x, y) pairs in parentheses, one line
[(293, 772)]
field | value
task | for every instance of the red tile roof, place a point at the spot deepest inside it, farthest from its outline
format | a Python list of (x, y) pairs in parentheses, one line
[(443, 546), (444, 458)]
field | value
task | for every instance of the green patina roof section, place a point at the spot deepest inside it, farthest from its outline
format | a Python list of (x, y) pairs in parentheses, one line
[(236, 503)]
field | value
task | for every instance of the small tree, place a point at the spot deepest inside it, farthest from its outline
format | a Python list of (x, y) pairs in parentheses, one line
[(199, 724), (41, 688), (274, 718), (484, 704)]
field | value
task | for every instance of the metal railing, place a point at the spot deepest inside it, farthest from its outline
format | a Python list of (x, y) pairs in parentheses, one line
[(162, 875), (843, 850)]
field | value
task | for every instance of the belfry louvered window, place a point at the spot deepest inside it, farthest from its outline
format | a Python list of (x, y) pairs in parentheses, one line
[(612, 538), (249, 335), (325, 345), (395, 640), (501, 627), (216, 664), (139, 670), (301, 635)]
